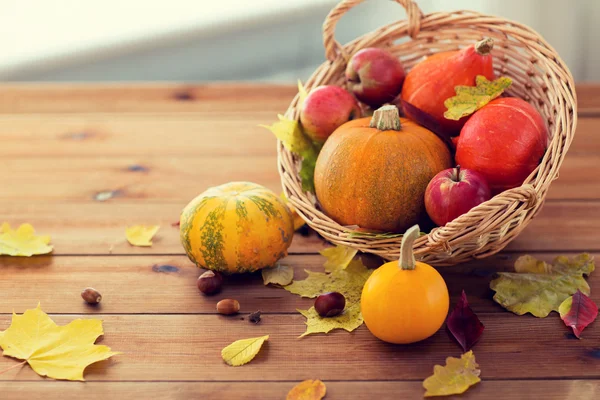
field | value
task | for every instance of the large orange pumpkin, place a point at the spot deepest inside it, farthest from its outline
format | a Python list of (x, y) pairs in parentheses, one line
[(373, 172)]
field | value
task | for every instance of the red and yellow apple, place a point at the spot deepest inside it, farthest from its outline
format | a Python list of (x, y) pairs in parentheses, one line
[(325, 109), (453, 192), (375, 76)]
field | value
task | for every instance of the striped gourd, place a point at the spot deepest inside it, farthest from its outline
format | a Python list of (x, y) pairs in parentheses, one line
[(236, 227)]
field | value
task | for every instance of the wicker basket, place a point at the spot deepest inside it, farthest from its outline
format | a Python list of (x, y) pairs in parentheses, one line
[(539, 76)]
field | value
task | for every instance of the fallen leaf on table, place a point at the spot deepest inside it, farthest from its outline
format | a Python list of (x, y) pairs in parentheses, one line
[(243, 351), (298, 221), (463, 325), (308, 390), (338, 257), (349, 282), (290, 134), (141, 235), (22, 241), (281, 275), (454, 378), (542, 293), (58, 352), (469, 99), (578, 311)]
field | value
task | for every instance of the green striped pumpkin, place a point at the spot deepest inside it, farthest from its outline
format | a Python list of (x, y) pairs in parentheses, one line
[(236, 227)]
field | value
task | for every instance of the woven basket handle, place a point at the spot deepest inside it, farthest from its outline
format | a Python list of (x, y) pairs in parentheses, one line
[(333, 48)]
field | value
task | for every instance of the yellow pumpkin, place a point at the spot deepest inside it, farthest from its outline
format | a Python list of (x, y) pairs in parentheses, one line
[(405, 301), (236, 227)]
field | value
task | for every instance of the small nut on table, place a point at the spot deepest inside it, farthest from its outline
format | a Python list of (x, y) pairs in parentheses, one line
[(228, 307), (91, 296), (210, 282)]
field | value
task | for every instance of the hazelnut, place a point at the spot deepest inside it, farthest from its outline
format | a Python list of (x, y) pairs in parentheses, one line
[(228, 307), (210, 282), (91, 296), (330, 304)]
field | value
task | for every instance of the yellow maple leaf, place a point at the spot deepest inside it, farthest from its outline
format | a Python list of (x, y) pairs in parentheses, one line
[(290, 133), (22, 241), (141, 235), (58, 352), (349, 282), (454, 378), (279, 275), (310, 389), (338, 257), (469, 99), (243, 351), (542, 291)]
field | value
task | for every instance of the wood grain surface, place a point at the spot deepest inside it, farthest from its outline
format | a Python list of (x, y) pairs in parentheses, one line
[(155, 147)]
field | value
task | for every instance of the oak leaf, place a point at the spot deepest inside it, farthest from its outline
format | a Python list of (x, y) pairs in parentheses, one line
[(141, 235), (349, 282), (281, 275), (458, 375), (469, 99), (290, 133), (578, 311), (58, 352), (311, 389), (22, 241), (338, 257), (542, 293), (243, 351)]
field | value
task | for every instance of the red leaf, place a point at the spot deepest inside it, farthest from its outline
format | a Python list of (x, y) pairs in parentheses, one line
[(578, 311), (463, 325)]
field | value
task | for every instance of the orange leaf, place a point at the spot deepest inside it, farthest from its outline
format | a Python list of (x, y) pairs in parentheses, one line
[(308, 390)]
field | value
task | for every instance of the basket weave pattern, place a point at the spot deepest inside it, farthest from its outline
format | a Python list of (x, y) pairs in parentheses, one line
[(539, 77)]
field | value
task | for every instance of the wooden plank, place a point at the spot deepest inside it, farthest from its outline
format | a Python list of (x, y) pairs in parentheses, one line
[(177, 97), (492, 390), (99, 227), (188, 348), (60, 279)]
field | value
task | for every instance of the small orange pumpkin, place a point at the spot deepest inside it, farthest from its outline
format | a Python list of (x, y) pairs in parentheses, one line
[(373, 172), (405, 301)]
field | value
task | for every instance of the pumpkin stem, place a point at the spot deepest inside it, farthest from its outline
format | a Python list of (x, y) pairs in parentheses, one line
[(484, 47), (386, 118), (407, 257)]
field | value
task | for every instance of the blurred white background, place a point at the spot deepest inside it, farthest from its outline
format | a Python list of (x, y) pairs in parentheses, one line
[(267, 40)]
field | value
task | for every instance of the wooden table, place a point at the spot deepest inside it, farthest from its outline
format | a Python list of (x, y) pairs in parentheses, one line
[(155, 147)]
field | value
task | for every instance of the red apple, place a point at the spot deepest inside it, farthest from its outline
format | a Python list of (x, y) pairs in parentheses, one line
[(375, 76), (453, 192), (504, 141), (325, 109)]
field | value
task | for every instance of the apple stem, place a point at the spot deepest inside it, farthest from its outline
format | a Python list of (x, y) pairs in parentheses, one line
[(386, 118), (457, 170), (407, 257), (484, 47)]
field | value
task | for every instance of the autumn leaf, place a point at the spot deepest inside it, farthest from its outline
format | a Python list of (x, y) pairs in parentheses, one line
[(298, 221), (469, 99), (348, 282), (303, 94), (290, 134), (463, 325), (311, 389), (281, 275), (578, 311), (454, 378), (243, 351), (338, 257), (141, 235), (22, 241), (58, 352), (542, 293)]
